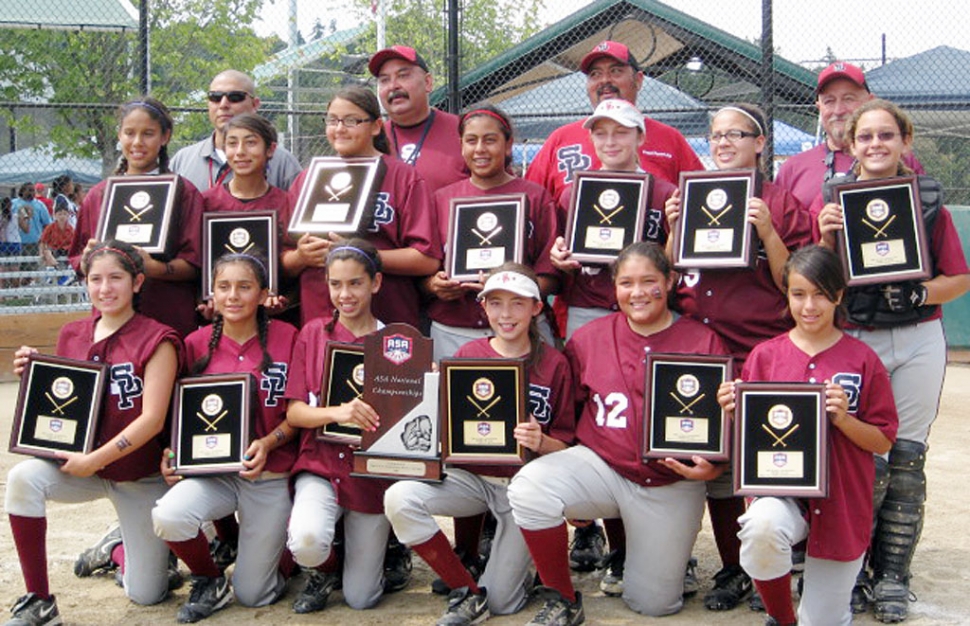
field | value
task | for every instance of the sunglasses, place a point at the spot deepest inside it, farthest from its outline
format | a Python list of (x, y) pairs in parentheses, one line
[(234, 96)]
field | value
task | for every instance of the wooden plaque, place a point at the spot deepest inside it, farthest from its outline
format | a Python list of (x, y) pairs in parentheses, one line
[(58, 406), (607, 211), (338, 196), (482, 401), (254, 233), (483, 233), (343, 381), (212, 422), (140, 210), (713, 229)]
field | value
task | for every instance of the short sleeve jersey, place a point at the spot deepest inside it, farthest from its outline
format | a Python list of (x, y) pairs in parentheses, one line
[(550, 399), (403, 218), (172, 303), (608, 362), (328, 460), (665, 154), (230, 357), (540, 233), (439, 160), (839, 525), (126, 351), (745, 307)]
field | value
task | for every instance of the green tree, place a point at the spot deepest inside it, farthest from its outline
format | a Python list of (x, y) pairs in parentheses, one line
[(93, 72)]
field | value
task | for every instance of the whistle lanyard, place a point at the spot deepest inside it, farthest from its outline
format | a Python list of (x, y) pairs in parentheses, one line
[(220, 174), (413, 157)]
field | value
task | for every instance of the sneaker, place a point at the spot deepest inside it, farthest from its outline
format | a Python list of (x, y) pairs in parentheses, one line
[(319, 586), (755, 603), (691, 584), (223, 553), (465, 608), (731, 586), (208, 595), (31, 610), (588, 548), (397, 566), (557, 610), (612, 581), (890, 600), (98, 557), (475, 567)]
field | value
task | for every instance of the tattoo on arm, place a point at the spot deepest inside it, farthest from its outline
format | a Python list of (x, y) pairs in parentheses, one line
[(123, 443)]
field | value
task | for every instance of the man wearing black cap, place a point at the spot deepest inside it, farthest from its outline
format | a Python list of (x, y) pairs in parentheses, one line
[(424, 137), (841, 90), (611, 72)]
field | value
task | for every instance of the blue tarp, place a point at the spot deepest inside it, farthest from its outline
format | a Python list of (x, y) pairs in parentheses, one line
[(38, 164)]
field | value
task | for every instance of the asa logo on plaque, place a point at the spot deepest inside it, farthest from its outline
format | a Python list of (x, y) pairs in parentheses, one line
[(399, 385)]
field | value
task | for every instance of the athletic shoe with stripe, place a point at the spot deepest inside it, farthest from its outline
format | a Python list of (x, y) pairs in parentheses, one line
[(465, 608), (208, 595), (32, 610), (557, 610), (98, 556), (319, 586)]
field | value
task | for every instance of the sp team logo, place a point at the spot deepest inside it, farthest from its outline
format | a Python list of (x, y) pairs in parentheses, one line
[(273, 382), (397, 348), (571, 160), (851, 383), (484, 429), (483, 389), (602, 46), (383, 212), (125, 384), (539, 403)]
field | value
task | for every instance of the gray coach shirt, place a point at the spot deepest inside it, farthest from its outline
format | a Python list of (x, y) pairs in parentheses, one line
[(200, 164)]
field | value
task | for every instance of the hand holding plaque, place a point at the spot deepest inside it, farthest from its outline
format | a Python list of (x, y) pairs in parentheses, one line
[(484, 233), (343, 381), (58, 406), (337, 196), (140, 210), (713, 229), (607, 211), (250, 232), (781, 440), (883, 237)]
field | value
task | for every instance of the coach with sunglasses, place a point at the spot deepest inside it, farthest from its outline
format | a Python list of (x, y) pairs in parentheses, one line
[(204, 163)]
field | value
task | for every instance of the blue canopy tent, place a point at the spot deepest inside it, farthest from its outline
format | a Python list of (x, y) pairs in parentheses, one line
[(38, 164)]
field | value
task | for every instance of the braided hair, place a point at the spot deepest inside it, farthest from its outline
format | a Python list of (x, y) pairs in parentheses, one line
[(356, 249), (158, 112), (258, 268)]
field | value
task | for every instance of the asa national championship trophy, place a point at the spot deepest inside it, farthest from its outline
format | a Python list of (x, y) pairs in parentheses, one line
[(399, 385)]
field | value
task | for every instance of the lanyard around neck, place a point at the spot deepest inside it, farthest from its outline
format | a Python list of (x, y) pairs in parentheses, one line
[(413, 157)]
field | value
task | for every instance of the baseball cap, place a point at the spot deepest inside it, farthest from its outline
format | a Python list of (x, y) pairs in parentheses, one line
[(618, 110), (395, 52), (39, 187), (611, 49), (514, 282), (841, 69)]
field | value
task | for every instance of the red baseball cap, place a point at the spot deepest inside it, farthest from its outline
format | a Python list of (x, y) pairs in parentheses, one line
[(841, 69), (395, 52), (611, 49)]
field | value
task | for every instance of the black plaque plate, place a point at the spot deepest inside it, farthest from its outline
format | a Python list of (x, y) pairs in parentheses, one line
[(139, 210), (882, 239), (482, 401), (338, 196), (713, 229), (58, 406), (254, 233), (343, 381), (781, 440), (212, 423), (682, 417), (606, 214), (484, 233)]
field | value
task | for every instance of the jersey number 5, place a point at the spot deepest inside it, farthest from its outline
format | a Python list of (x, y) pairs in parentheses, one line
[(610, 412)]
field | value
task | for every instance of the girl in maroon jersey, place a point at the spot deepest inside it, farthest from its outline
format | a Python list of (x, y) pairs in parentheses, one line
[(512, 302), (144, 357), (403, 227), (859, 404), (323, 487)]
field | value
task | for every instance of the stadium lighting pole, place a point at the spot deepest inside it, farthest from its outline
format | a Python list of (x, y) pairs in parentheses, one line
[(768, 85)]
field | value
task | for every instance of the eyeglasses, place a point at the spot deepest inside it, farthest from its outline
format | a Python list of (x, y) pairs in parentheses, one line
[(349, 121), (883, 135), (235, 97), (733, 136)]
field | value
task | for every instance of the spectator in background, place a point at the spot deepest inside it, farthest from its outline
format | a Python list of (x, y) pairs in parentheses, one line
[(41, 193), (32, 217), (841, 89), (9, 229), (63, 189), (55, 241), (204, 163), (79, 192)]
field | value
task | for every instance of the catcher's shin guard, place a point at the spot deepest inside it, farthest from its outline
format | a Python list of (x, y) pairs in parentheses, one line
[(900, 521)]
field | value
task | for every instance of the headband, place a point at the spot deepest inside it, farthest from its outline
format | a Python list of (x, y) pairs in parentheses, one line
[(243, 255), (120, 253), (491, 114), (150, 107), (370, 261), (757, 124)]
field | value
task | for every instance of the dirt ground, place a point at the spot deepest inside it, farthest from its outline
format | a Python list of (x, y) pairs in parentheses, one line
[(941, 566)]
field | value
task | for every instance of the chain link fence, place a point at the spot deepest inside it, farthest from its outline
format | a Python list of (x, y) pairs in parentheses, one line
[(64, 73)]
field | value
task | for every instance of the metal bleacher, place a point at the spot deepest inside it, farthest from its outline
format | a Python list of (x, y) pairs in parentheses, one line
[(39, 289)]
